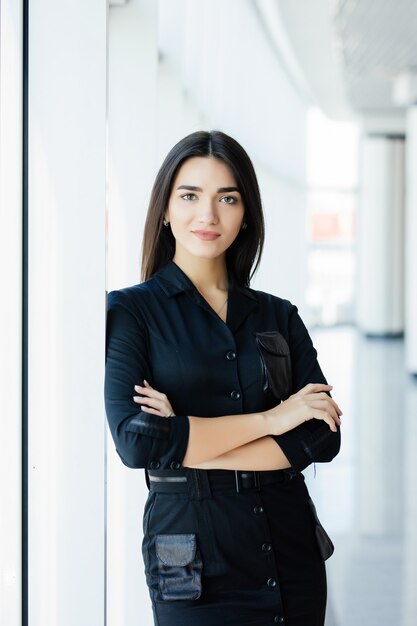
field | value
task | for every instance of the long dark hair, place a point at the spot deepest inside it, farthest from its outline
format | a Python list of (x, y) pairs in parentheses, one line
[(244, 254)]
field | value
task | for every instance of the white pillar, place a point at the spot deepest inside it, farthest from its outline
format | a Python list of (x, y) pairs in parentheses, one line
[(380, 272), (409, 510), (132, 122), (411, 243), (67, 201), (11, 72)]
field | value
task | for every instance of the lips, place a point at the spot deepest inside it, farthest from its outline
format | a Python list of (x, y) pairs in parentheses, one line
[(206, 235)]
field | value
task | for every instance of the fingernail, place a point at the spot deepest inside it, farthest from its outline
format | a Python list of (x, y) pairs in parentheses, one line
[(145, 381), (138, 387)]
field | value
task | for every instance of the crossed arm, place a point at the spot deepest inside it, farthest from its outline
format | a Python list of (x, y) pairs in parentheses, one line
[(145, 435), (261, 454), (248, 447)]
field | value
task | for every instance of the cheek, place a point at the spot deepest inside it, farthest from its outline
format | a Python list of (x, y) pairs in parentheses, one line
[(179, 223)]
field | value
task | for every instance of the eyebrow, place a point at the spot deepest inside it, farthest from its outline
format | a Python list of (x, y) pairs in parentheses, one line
[(220, 189)]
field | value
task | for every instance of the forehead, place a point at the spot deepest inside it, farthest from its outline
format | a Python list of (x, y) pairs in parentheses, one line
[(205, 172)]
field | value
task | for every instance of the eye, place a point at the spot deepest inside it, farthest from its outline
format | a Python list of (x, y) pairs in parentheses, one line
[(188, 194), (231, 198)]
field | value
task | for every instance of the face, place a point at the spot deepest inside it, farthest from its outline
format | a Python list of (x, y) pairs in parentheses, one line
[(205, 210)]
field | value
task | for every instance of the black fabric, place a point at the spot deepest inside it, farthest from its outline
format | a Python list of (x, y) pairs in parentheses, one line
[(242, 557), (165, 331), (256, 561)]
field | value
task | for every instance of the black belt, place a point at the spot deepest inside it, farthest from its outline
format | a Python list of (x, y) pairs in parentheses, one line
[(180, 480)]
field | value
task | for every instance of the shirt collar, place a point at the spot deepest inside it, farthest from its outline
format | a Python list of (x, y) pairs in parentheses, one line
[(173, 280)]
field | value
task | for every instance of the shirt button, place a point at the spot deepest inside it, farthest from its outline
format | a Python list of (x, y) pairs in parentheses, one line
[(258, 509), (266, 547), (278, 619), (235, 395), (175, 465), (231, 355), (154, 464), (271, 582)]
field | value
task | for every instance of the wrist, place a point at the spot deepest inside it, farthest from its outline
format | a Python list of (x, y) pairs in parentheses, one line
[(268, 422)]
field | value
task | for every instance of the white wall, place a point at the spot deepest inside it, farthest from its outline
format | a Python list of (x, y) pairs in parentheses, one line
[(67, 199), (11, 69), (224, 74), (132, 132)]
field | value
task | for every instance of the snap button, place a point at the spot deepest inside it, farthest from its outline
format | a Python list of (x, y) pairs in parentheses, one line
[(266, 547), (231, 355), (154, 464), (175, 465), (235, 395), (258, 509), (271, 582), (278, 619)]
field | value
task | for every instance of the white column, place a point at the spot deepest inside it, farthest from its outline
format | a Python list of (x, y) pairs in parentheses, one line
[(67, 201), (11, 69), (409, 512), (132, 122), (411, 243), (380, 272)]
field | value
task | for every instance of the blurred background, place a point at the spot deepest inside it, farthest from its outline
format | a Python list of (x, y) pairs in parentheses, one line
[(322, 94)]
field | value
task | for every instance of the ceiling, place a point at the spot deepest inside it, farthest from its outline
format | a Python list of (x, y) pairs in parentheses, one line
[(352, 53)]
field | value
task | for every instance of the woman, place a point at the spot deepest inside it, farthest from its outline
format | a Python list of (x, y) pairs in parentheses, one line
[(214, 388)]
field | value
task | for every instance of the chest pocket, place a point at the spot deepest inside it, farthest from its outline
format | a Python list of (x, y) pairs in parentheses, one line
[(179, 566), (275, 358)]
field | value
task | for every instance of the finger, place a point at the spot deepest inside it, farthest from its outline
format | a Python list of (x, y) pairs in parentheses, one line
[(154, 402), (150, 392), (313, 387), (323, 397), (147, 409), (325, 406), (326, 417)]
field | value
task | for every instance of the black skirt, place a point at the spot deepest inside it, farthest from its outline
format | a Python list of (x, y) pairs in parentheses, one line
[(221, 553)]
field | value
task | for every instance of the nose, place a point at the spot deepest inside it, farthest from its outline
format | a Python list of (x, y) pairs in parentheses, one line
[(207, 212)]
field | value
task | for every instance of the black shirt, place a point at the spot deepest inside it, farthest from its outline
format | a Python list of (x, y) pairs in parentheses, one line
[(164, 330)]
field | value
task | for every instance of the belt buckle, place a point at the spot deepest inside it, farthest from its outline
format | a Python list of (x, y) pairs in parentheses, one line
[(255, 476)]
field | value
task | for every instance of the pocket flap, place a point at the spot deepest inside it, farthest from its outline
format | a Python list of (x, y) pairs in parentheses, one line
[(273, 341), (177, 549)]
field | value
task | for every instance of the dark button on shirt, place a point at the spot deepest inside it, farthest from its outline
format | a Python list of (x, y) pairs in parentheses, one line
[(258, 509), (266, 547), (154, 464), (278, 619), (165, 331), (175, 465), (271, 582), (231, 355)]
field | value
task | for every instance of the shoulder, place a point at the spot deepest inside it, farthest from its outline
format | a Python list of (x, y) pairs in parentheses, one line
[(132, 297), (282, 306)]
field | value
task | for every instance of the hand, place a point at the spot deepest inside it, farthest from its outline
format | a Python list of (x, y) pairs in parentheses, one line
[(158, 401), (309, 402)]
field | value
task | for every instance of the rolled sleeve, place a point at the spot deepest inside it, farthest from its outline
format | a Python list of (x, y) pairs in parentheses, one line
[(142, 440), (312, 441)]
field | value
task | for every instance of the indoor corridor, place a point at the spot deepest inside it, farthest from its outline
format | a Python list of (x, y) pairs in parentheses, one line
[(366, 497)]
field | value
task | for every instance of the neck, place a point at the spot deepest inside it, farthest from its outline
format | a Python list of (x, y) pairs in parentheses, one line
[(206, 274)]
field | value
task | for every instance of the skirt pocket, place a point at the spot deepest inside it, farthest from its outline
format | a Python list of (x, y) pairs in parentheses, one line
[(179, 566)]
